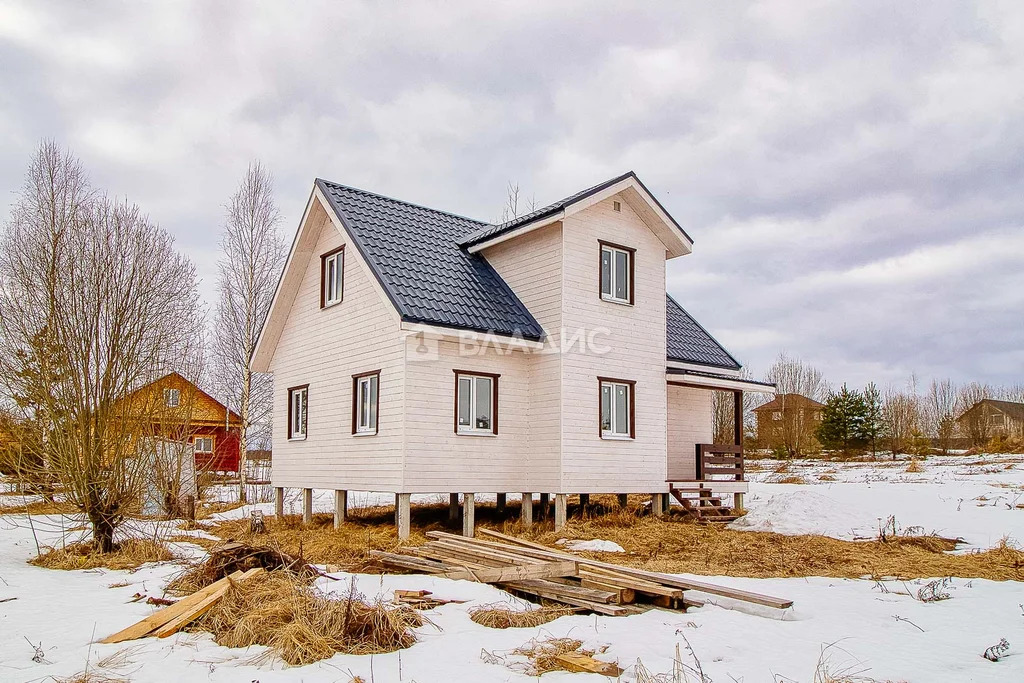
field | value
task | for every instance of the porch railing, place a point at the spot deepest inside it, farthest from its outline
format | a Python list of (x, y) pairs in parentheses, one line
[(718, 462)]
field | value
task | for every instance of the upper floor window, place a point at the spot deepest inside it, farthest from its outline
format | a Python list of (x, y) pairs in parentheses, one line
[(776, 414), (366, 402), (618, 413), (996, 420), (298, 406), (332, 277), (617, 273), (172, 398), (203, 444), (476, 402)]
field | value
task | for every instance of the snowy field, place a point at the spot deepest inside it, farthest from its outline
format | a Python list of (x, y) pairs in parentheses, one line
[(879, 632)]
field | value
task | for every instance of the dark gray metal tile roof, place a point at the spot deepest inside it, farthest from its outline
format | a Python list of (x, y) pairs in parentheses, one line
[(487, 232), (414, 252), (688, 342)]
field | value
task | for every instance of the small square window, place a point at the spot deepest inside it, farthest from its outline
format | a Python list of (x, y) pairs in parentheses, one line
[(366, 401), (616, 273), (616, 206), (297, 411), (332, 277), (172, 398), (617, 408), (476, 403), (203, 444)]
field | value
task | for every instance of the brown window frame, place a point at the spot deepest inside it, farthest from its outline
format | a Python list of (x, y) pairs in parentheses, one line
[(292, 390), (632, 406), (601, 244), (323, 275), (355, 403), (494, 401)]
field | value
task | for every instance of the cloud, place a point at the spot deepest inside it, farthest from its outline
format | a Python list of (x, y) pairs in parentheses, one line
[(850, 172)]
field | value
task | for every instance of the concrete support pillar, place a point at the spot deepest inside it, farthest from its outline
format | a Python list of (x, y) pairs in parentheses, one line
[(657, 504), (666, 501), (737, 501), (623, 500), (307, 506), (527, 510), (340, 508), (468, 514), (453, 507), (403, 514), (560, 500), (500, 503), (279, 501), (545, 503)]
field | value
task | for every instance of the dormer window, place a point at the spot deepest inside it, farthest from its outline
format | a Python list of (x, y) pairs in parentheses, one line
[(617, 273), (172, 398), (332, 277)]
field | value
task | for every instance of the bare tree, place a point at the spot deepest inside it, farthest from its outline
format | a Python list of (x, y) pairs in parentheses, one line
[(515, 206), (901, 419), (973, 423), (794, 376), (250, 266), (94, 302), (940, 412)]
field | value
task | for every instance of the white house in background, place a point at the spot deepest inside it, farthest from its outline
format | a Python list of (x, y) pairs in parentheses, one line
[(417, 351)]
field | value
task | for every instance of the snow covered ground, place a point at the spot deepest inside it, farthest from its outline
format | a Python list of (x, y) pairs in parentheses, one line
[(975, 498), (875, 631)]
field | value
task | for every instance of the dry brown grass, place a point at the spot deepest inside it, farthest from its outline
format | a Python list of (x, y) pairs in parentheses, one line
[(914, 467), (790, 479), (206, 509), (129, 554), (91, 677), (41, 507), (301, 625), (499, 615), (826, 477), (669, 544), (542, 655)]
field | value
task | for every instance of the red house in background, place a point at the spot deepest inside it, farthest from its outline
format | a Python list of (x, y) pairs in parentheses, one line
[(181, 411)]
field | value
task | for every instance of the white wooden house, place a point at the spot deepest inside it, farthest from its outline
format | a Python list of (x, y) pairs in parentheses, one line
[(417, 351)]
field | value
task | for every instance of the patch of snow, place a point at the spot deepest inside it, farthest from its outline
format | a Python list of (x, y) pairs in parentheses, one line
[(597, 545)]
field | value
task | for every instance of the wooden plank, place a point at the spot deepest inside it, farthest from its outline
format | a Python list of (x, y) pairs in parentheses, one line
[(571, 591), (657, 577), (580, 663), (600, 608), (623, 595), (514, 573), (161, 617), (418, 564), (638, 585), (179, 622)]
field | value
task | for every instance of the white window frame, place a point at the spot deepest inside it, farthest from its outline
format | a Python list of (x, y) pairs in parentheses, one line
[(612, 278), (333, 286), (195, 444), (471, 429), (612, 385), (172, 393), (364, 422), (298, 413)]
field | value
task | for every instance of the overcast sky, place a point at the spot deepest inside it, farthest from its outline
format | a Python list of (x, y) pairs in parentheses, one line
[(852, 173)]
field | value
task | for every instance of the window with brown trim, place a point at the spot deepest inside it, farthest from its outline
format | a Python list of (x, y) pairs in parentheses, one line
[(332, 277), (298, 407), (365, 402), (616, 272), (616, 408), (476, 402)]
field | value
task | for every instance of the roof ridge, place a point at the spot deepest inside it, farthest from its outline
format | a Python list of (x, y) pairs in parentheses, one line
[(401, 201)]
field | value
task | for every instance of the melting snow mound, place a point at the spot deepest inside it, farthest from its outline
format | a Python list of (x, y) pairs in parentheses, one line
[(796, 513), (596, 545)]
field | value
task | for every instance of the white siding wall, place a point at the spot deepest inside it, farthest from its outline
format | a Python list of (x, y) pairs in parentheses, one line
[(690, 422), (532, 267), (439, 460), (324, 348), (636, 337)]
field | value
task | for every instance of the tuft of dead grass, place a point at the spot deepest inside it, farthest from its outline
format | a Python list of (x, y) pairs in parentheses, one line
[(91, 677), (500, 615), (791, 479), (541, 654), (129, 554), (914, 467), (301, 625), (826, 477)]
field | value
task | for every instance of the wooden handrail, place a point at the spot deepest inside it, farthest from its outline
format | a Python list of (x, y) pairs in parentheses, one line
[(718, 459)]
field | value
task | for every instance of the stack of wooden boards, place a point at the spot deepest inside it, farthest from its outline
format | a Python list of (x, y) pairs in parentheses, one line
[(542, 572), (171, 619)]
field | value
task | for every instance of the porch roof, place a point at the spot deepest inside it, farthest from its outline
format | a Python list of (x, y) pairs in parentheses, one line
[(712, 380)]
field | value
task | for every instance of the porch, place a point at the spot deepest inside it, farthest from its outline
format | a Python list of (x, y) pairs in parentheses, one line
[(708, 481)]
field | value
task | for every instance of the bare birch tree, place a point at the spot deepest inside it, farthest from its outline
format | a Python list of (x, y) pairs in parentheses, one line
[(794, 376), (973, 423), (901, 419), (249, 268), (940, 412), (94, 302)]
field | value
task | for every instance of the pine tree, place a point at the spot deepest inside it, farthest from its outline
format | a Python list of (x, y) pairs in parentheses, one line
[(843, 420), (873, 424)]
